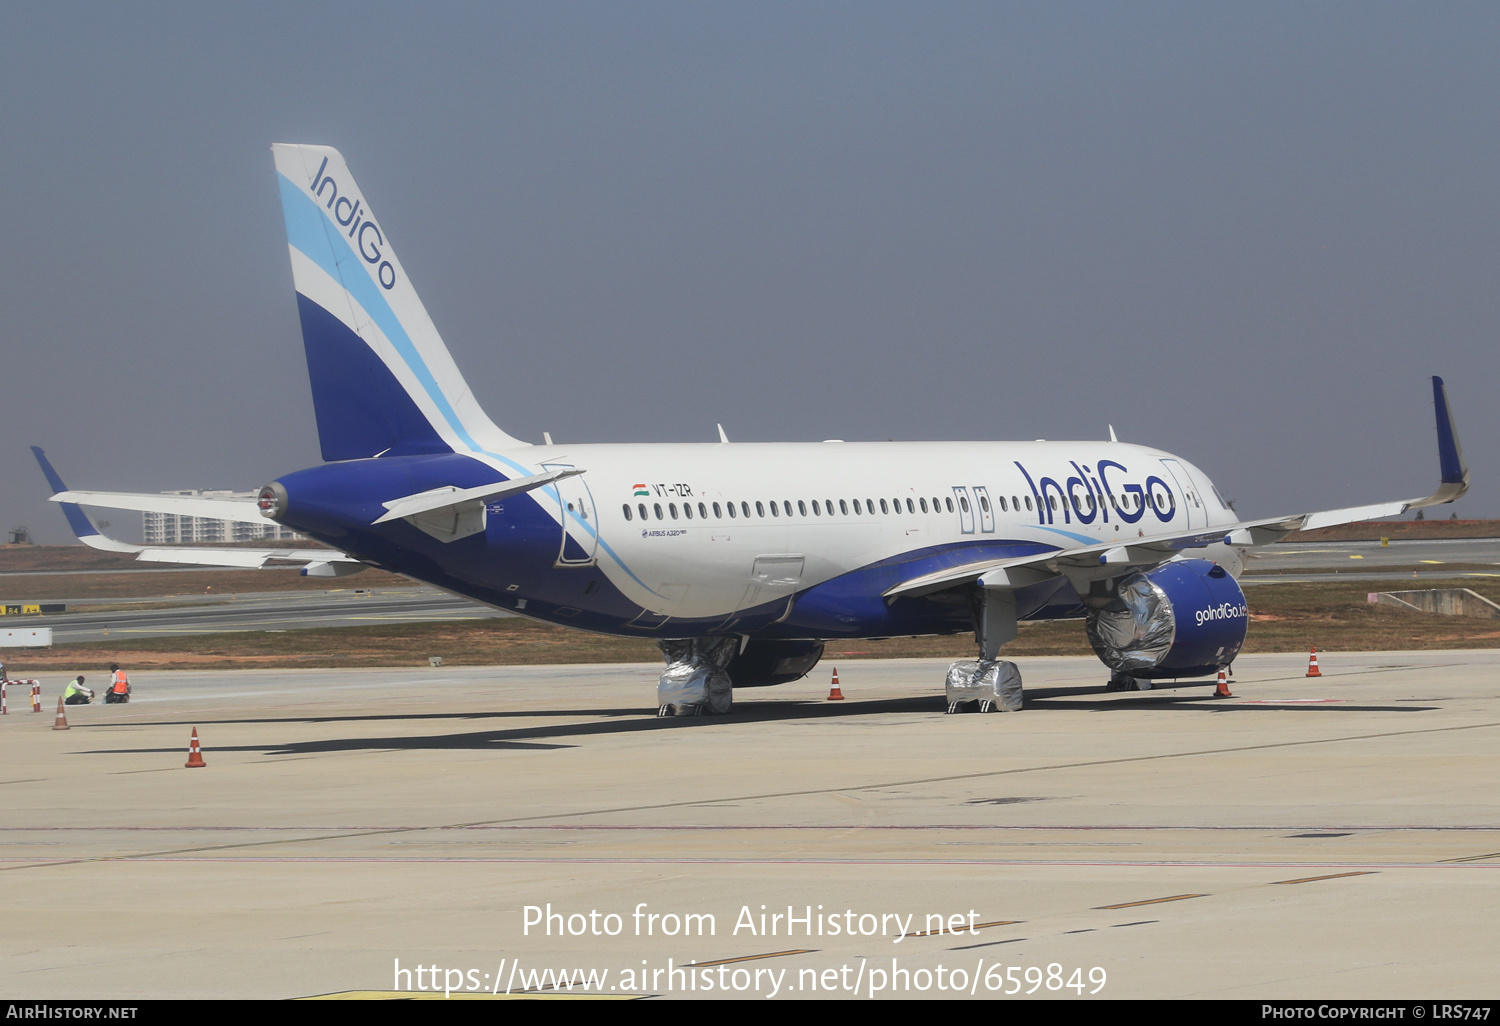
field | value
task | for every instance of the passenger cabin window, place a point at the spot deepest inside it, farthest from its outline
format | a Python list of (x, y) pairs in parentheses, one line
[(626, 507), (657, 507), (843, 507)]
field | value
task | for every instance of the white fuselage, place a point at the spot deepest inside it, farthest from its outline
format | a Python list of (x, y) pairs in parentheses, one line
[(680, 528)]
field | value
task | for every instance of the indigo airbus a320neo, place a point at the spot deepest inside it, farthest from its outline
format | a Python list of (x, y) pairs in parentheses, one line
[(741, 560)]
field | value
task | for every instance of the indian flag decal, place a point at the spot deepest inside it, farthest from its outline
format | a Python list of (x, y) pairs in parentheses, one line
[(640, 489)]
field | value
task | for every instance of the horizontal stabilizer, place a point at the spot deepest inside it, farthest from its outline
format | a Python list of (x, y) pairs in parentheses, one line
[(245, 511), (331, 562), (440, 498)]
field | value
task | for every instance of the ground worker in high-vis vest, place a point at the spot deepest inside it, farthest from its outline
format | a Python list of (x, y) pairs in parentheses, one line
[(76, 693), (119, 686)]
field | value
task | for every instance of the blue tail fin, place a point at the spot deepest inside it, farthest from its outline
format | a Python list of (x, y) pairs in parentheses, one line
[(383, 383)]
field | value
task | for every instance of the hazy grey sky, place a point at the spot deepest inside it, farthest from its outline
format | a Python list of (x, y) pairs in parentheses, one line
[(1247, 233)]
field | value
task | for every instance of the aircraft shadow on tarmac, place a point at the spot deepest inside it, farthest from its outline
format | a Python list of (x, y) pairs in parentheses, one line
[(638, 720)]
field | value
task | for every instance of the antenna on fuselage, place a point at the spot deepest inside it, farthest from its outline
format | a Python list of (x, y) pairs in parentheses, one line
[(723, 438), (1112, 437), (546, 437)]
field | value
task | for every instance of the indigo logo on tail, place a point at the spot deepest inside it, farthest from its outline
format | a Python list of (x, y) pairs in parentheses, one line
[(350, 214)]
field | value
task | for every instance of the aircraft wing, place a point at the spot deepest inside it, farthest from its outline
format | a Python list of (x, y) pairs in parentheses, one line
[(316, 562), (1153, 550)]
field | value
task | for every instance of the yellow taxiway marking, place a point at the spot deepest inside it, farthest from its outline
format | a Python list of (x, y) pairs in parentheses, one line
[(1474, 858), (1152, 901), (1330, 876)]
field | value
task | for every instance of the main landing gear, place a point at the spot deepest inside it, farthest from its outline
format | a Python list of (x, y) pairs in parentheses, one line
[(995, 684), (1125, 682), (989, 682), (696, 680)]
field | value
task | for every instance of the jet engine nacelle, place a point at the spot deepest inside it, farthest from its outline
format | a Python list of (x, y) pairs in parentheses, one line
[(764, 663), (1183, 619)]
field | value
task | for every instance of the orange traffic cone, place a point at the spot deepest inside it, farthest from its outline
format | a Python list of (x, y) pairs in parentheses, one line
[(834, 694), (1312, 663), (61, 723), (1222, 691), (195, 754)]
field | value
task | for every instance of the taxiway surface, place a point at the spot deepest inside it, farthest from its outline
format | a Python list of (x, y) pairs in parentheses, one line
[(1331, 837)]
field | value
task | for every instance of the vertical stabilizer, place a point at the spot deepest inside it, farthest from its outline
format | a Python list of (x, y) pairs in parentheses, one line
[(383, 383)]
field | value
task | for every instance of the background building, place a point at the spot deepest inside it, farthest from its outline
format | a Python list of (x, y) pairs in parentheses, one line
[(171, 529)]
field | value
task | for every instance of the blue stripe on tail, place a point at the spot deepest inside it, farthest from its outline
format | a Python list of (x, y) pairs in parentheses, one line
[(361, 408)]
